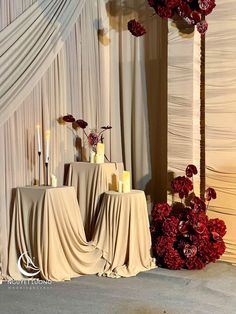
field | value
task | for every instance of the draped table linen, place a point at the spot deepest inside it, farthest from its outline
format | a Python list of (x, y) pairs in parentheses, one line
[(91, 181), (46, 223), (122, 233)]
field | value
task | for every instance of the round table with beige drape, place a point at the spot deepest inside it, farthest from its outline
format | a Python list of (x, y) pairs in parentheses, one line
[(122, 233)]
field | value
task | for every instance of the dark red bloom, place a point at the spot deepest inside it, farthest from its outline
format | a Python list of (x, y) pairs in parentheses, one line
[(163, 243), (182, 185), (217, 225), (160, 211), (170, 226), (173, 260), (197, 204), (215, 236), (93, 139), (136, 28), (69, 118), (191, 170), (81, 123), (190, 250), (210, 194), (164, 12), (194, 263), (108, 127), (202, 27), (184, 227)]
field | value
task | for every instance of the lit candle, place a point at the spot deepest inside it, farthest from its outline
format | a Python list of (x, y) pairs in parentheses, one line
[(100, 149), (38, 137), (99, 158), (126, 181), (47, 139)]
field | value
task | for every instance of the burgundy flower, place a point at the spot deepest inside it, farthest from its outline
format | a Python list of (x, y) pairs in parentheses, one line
[(197, 204), (164, 12), (191, 170), (215, 236), (195, 16), (217, 225), (190, 250), (194, 263), (136, 28), (182, 185), (170, 226), (108, 127), (81, 123), (173, 260), (199, 227), (160, 211), (93, 139), (69, 118), (163, 243), (183, 227), (210, 194), (172, 3), (202, 27)]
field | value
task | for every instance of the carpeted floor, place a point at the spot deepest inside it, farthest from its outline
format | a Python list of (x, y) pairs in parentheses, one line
[(212, 290)]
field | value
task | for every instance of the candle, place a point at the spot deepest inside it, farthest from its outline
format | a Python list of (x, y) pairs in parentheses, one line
[(92, 157), (120, 187), (100, 149), (100, 153), (38, 137), (99, 159), (126, 181), (47, 139), (53, 181)]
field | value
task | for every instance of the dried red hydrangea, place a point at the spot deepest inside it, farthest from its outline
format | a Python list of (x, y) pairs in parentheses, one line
[(191, 170), (93, 139), (182, 186), (81, 123), (136, 28), (184, 237)]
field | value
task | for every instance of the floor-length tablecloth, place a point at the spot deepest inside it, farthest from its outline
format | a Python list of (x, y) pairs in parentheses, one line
[(46, 224), (91, 181), (122, 233)]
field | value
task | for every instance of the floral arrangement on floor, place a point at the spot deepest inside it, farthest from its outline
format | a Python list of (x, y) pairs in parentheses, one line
[(191, 11), (182, 234), (93, 137)]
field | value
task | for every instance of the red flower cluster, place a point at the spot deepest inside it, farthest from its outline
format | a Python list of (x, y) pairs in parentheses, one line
[(93, 137), (182, 185), (136, 28), (192, 11), (184, 237)]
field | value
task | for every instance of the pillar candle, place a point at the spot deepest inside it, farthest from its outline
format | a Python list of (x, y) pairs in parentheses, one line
[(92, 157), (38, 138), (126, 181), (100, 149), (47, 139), (53, 181), (99, 159)]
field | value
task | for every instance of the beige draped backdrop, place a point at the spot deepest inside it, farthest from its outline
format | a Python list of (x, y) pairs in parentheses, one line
[(184, 105), (97, 75)]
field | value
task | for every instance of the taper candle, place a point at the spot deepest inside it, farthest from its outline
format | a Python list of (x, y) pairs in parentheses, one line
[(47, 139), (38, 138)]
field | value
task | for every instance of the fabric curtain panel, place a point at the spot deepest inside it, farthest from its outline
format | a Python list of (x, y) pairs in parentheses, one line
[(96, 72), (184, 111)]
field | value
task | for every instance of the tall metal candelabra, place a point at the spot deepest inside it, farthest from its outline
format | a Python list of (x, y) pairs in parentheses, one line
[(39, 165), (46, 173)]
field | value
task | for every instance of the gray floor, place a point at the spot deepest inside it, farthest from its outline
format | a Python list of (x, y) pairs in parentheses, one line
[(212, 290)]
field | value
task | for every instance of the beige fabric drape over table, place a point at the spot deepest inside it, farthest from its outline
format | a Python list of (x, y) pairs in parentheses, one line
[(47, 224), (123, 235), (90, 182)]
